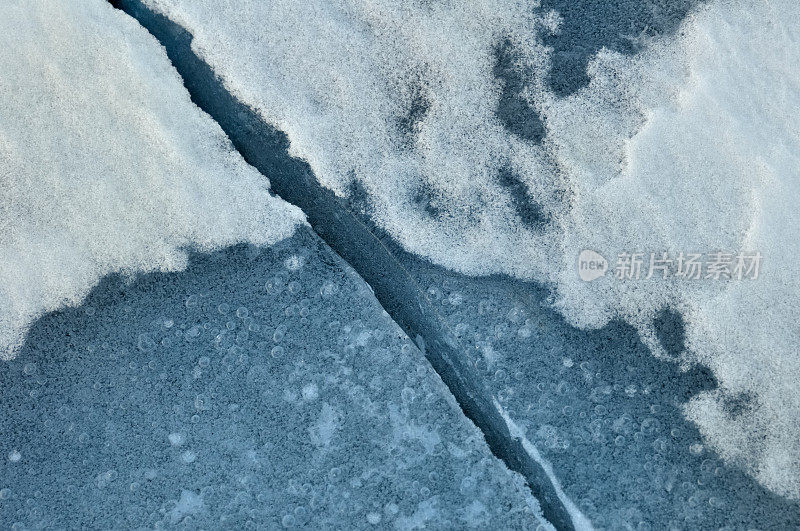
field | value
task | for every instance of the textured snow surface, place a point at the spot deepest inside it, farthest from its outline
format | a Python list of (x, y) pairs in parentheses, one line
[(689, 146), (260, 388), (106, 166)]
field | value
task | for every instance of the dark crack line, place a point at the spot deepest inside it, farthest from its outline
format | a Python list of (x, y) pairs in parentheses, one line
[(265, 148)]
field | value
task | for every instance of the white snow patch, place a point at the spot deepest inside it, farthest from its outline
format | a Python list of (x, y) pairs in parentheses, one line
[(105, 164)]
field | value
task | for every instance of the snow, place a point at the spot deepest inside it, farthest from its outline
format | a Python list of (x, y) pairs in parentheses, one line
[(106, 164), (688, 146)]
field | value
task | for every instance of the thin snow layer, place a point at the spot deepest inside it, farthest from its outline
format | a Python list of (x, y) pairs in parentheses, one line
[(105, 164), (690, 146)]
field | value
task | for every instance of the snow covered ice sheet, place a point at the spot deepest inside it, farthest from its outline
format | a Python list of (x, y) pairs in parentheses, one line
[(258, 387), (496, 138), (601, 409), (688, 145)]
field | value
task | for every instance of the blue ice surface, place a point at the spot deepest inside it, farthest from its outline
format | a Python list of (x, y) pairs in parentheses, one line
[(600, 408), (259, 388)]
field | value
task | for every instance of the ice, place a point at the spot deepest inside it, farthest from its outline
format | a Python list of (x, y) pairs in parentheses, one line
[(106, 166), (688, 146), (346, 427), (579, 520), (600, 410), (190, 503)]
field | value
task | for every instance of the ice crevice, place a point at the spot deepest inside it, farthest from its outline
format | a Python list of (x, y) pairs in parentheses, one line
[(266, 149)]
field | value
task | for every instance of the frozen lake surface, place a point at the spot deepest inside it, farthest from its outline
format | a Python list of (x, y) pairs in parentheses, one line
[(318, 271)]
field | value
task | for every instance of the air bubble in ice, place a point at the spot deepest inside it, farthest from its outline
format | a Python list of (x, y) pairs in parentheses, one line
[(294, 262), (310, 391), (455, 298), (201, 402), (392, 509), (328, 289), (145, 343), (188, 457)]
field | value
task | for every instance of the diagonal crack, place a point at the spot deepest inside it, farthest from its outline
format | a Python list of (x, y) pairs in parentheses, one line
[(265, 148)]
